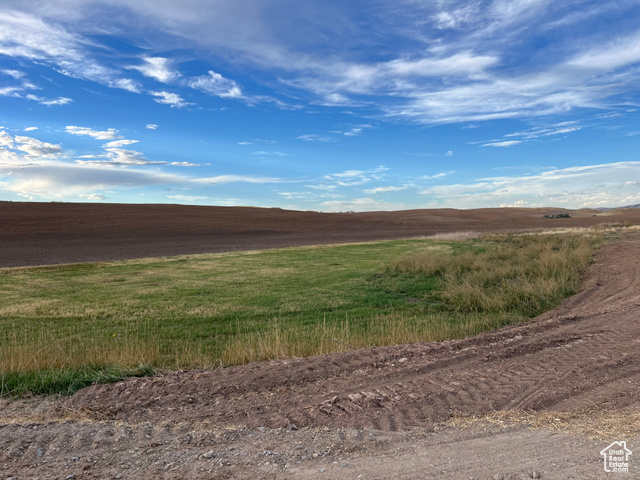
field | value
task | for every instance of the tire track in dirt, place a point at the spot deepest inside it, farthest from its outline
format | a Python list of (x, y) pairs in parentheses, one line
[(584, 353)]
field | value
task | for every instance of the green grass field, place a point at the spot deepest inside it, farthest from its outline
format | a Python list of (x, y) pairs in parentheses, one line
[(63, 327)]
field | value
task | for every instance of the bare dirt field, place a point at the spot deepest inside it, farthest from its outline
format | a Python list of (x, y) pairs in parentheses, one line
[(52, 233), (376, 413)]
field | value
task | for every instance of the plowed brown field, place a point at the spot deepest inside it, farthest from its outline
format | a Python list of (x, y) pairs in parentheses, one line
[(51, 233)]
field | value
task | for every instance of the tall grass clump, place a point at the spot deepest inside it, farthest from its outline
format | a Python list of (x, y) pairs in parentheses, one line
[(520, 274)]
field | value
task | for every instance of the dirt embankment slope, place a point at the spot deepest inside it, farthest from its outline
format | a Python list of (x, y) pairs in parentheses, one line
[(51, 233)]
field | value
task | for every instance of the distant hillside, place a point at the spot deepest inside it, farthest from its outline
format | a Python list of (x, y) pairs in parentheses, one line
[(637, 205)]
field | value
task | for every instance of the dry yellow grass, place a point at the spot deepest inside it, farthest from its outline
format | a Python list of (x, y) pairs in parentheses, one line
[(286, 341), (595, 423)]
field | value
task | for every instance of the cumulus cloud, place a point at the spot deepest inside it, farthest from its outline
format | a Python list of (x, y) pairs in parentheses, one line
[(36, 148), (6, 140)]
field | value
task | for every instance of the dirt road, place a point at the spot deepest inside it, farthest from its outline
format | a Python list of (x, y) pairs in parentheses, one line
[(372, 413)]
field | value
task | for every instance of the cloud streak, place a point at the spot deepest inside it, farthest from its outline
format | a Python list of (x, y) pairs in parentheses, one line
[(575, 187)]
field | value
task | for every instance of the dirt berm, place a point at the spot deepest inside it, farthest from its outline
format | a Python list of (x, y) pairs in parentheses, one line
[(373, 413)]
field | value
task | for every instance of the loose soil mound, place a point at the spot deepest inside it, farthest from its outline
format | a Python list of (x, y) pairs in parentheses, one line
[(52, 233), (585, 353)]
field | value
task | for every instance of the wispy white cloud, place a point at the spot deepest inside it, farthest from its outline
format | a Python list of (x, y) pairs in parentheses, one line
[(617, 53), (119, 143), (351, 178), (94, 197), (263, 153), (110, 134), (151, 126), (327, 187), (120, 157), (308, 195), (353, 132), (455, 18), (187, 198), (158, 68), (222, 179), (17, 74), (312, 137), (533, 134), (172, 99), (50, 180), (470, 70), (547, 132), (216, 85), (30, 129), (49, 101), (25, 35), (20, 86), (183, 164), (437, 175), (506, 143), (387, 189), (574, 187), (460, 63)]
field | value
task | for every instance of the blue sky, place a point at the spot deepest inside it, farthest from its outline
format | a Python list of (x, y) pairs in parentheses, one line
[(321, 104)]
